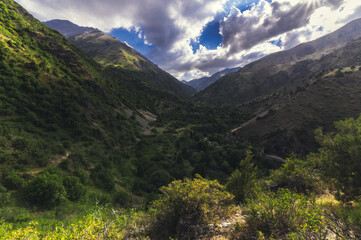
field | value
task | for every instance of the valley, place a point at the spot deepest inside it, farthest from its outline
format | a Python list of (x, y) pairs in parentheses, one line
[(98, 142)]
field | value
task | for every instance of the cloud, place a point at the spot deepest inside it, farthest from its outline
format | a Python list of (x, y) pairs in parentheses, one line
[(171, 25), (242, 31), (164, 22)]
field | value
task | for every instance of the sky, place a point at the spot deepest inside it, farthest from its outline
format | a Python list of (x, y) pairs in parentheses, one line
[(196, 38)]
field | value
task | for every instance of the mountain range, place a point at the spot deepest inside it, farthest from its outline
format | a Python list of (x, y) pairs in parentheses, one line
[(64, 113), (96, 141), (202, 83), (279, 69), (112, 53), (291, 93)]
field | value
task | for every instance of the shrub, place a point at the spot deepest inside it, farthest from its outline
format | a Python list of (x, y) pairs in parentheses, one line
[(15, 214), (283, 215), (74, 189), (340, 155), (20, 144), (296, 175), (190, 202), (97, 198), (2, 189), (13, 181), (82, 175), (122, 198), (103, 178), (46, 191), (243, 181), (160, 178), (4, 196), (351, 217), (65, 165)]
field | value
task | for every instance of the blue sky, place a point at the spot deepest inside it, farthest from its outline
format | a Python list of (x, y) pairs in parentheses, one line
[(134, 38), (193, 39)]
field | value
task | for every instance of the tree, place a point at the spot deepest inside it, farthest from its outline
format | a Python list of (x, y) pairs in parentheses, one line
[(243, 181), (340, 157), (74, 189), (46, 190)]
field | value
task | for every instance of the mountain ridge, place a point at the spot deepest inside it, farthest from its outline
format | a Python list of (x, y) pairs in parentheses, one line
[(67, 28), (276, 70), (110, 52), (202, 83)]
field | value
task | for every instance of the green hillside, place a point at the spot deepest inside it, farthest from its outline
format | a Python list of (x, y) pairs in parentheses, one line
[(89, 151), (64, 116)]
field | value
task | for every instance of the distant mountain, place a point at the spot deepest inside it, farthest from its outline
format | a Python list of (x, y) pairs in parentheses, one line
[(67, 28), (202, 83), (328, 89), (110, 52), (278, 70)]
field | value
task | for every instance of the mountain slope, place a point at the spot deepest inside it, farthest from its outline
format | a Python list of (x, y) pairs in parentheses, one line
[(64, 116), (110, 52), (53, 94), (285, 121), (202, 83), (277, 70)]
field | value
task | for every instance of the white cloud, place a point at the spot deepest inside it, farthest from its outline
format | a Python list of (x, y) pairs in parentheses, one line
[(169, 25)]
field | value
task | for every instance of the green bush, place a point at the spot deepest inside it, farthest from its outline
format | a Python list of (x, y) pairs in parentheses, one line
[(96, 198), (20, 144), (190, 202), (2, 189), (243, 181), (296, 175), (122, 198), (45, 191), (74, 189), (4, 196), (15, 214), (65, 165), (340, 155), (103, 178), (13, 181), (283, 215), (82, 175), (351, 217)]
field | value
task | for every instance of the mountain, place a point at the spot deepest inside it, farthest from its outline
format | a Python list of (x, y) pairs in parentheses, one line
[(68, 121), (285, 120), (291, 93), (278, 70), (202, 83), (110, 52), (67, 28)]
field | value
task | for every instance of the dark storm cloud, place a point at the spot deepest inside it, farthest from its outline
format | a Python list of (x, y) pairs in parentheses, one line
[(157, 25), (242, 32), (153, 17)]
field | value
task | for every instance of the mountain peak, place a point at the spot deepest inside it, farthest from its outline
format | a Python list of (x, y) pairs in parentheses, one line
[(67, 28), (111, 52), (202, 83)]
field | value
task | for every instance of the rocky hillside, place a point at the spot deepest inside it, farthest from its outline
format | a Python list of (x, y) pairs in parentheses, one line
[(286, 119)]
